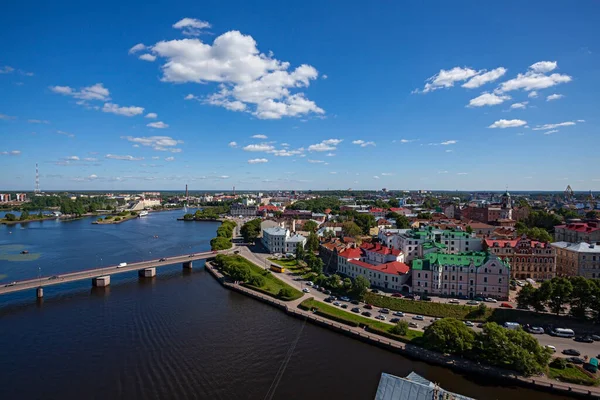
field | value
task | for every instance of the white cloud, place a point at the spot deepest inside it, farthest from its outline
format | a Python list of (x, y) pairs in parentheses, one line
[(94, 92), (11, 153), (191, 97), (488, 99), (553, 126), (315, 161), (90, 159), (554, 97), (482, 79), (232, 144), (362, 143), (66, 134), (442, 172), (6, 69), (462, 173), (449, 151), (407, 140), (258, 161), (521, 105), (169, 158), (325, 145), (259, 137), (222, 177), (330, 154), (72, 158), (6, 117), (446, 79), (157, 125), (38, 121), (125, 158), (581, 120), (147, 57), (543, 66), (532, 94), (333, 172), (155, 157), (551, 132), (62, 89), (249, 81), (285, 145), (259, 147), (152, 115), (160, 143), (287, 153), (126, 111), (508, 123), (532, 80), (387, 174), (375, 177), (449, 142), (191, 26), (137, 47)]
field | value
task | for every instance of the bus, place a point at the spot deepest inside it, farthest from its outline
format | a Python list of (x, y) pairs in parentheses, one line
[(511, 325), (563, 332), (277, 268)]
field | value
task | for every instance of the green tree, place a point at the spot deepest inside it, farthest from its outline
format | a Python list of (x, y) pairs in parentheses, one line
[(561, 294), (400, 329), (401, 221), (240, 273), (310, 226), (347, 284), (582, 296), (360, 286), (188, 217), (328, 234), (542, 219), (424, 215), (257, 280), (312, 243), (10, 217), (449, 336), (24, 216), (251, 230), (525, 298), (431, 203), (394, 203), (351, 229), (334, 281), (541, 296), (285, 293), (220, 243), (40, 215), (314, 263), (300, 253), (468, 229), (365, 222)]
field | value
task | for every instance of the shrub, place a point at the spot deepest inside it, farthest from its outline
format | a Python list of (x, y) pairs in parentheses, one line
[(257, 280), (401, 328), (559, 363), (117, 219), (285, 292)]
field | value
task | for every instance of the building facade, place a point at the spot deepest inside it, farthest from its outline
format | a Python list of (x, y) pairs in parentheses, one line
[(460, 241), (4, 197), (576, 232), (242, 210), (476, 274), (527, 258), (279, 240), (577, 259)]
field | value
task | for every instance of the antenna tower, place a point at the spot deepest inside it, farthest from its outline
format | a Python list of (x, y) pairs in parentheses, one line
[(37, 179)]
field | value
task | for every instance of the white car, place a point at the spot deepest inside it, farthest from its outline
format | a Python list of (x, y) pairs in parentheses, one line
[(469, 324), (418, 318), (380, 317), (309, 283), (490, 300), (454, 301), (399, 314), (413, 325), (306, 290), (549, 346), (337, 303)]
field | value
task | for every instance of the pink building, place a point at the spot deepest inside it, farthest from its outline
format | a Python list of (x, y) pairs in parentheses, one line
[(4, 197), (21, 197)]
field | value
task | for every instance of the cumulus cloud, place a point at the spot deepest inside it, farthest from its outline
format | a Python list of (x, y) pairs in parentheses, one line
[(72, 158), (363, 143), (259, 147), (403, 141), (259, 137), (488, 99), (11, 153), (506, 123), (521, 105), (249, 81), (325, 145), (169, 158), (387, 174), (138, 47), (191, 26), (330, 154), (258, 161), (126, 111), (38, 121), (486, 77), (554, 97), (147, 57), (6, 69), (449, 142), (157, 125), (375, 177), (124, 158), (535, 79), (94, 92), (233, 144), (160, 143), (287, 152), (447, 78), (551, 132), (6, 117), (532, 94), (543, 66), (554, 126), (315, 161), (152, 115)]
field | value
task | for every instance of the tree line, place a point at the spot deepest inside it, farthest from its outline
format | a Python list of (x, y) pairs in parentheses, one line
[(224, 235)]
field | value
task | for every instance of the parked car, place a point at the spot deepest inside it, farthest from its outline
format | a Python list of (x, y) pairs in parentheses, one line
[(344, 306), (306, 290), (490, 300), (413, 325), (355, 309), (418, 318), (549, 346), (472, 303), (396, 295), (394, 320), (336, 303), (571, 352), (344, 298), (399, 314), (575, 360), (479, 298), (584, 339), (356, 302), (53, 277), (328, 300), (454, 301), (368, 306), (469, 324), (410, 296), (380, 317), (309, 283), (506, 305), (535, 329), (327, 292), (384, 311), (10, 284), (596, 338), (366, 314)]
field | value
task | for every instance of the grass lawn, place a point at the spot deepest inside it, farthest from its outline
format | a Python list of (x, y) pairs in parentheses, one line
[(272, 284), (286, 263), (341, 315), (572, 374)]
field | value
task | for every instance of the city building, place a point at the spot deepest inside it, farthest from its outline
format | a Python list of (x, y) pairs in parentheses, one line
[(473, 274), (577, 259), (238, 210), (376, 253), (413, 387), (527, 258), (279, 240), (378, 212), (20, 197), (578, 231), (458, 241), (4, 197), (329, 250)]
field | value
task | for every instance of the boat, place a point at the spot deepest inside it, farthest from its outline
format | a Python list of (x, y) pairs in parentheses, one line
[(143, 213), (25, 252)]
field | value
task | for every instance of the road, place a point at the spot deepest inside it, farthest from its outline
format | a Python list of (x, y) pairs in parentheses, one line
[(589, 349)]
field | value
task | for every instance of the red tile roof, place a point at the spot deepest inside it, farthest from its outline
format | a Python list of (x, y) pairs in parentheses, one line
[(380, 249), (580, 227), (268, 207), (394, 267), (374, 209), (383, 221), (398, 209), (351, 252)]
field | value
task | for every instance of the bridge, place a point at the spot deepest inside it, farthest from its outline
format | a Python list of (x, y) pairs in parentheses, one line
[(101, 276)]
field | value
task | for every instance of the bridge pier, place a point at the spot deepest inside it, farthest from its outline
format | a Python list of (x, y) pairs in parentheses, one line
[(187, 265), (40, 292), (147, 273), (101, 281)]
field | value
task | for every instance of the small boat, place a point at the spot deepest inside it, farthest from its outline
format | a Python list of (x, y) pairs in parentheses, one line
[(25, 252), (143, 213), (155, 236)]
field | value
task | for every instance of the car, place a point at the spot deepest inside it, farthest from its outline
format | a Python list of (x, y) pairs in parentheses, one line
[(355, 309), (478, 298), (399, 314), (316, 287), (163, 259), (192, 255), (396, 295), (549, 346), (236, 252), (410, 296), (366, 314), (472, 303), (306, 290), (53, 277), (10, 284), (368, 306), (535, 329), (344, 306), (454, 301), (384, 311), (380, 317), (584, 339), (506, 305), (334, 298), (480, 325), (596, 338), (327, 291), (337, 303), (322, 289), (469, 324), (418, 318), (344, 298), (394, 320), (328, 300), (375, 291), (355, 302), (413, 325), (575, 360), (491, 300), (309, 283), (571, 352)]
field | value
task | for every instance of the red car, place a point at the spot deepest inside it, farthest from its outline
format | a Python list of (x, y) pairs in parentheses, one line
[(396, 295), (368, 306), (506, 305)]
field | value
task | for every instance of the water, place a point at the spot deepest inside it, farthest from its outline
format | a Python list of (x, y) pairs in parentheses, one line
[(179, 335)]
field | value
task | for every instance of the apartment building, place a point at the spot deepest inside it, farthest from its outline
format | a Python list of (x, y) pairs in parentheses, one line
[(527, 258), (577, 259), (575, 232), (280, 240)]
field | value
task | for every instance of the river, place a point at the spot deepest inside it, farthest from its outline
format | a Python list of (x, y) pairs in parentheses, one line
[(177, 336)]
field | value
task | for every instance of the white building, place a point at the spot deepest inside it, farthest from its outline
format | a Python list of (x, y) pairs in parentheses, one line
[(279, 240), (577, 259), (242, 210), (460, 241)]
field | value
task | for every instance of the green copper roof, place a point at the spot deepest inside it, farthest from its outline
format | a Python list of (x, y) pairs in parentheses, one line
[(431, 245), (462, 259)]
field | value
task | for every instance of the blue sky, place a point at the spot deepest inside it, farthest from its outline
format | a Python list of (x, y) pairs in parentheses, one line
[(311, 95)]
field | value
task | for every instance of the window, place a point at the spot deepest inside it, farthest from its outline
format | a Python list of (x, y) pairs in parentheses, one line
[(418, 283), (471, 281), (460, 277), (499, 290), (425, 284), (499, 280), (485, 279), (485, 270), (418, 275), (485, 289), (445, 286), (500, 271), (426, 276), (445, 277)]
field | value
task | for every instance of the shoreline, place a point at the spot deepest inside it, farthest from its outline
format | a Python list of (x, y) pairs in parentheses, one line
[(408, 350)]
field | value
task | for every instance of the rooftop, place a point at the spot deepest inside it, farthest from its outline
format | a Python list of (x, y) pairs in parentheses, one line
[(393, 267), (275, 231), (581, 226), (477, 258), (581, 247), (380, 249), (413, 387), (351, 252)]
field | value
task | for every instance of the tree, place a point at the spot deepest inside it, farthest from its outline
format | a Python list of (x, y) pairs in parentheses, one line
[(347, 283), (24, 216), (40, 215), (257, 280), (351, 229), (314, 263), (188, 217), (328, 234), (285, 293), (542, 219), (561, 294), (468, 229), (431, 203), (526, 296), (334, 281), (424, 215), (541, 296), (10, 217), (365, 222), (591, 214), (312, 243), (310, 226), (251, 230), (240, 273), (300, 253), (394, 203), (360, 286), (582, 296), (449, 336), (534, 233), (220, 243), (401, 221), (400, 329)]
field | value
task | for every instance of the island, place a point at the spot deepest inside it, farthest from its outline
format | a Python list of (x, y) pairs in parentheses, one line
[(117, 218)]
